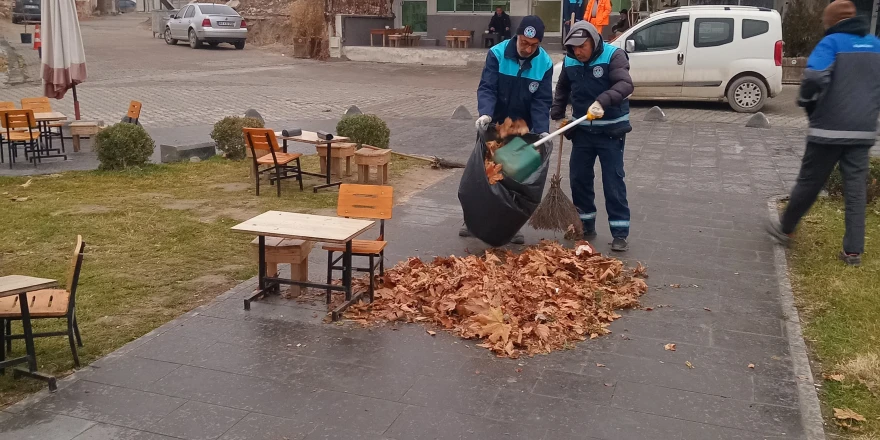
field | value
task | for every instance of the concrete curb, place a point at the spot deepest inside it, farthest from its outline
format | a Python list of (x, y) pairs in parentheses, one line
[(811, 411)]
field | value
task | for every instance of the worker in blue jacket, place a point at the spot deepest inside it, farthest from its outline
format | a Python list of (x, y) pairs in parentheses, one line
[(595, 79), (841, 95), (517, 83), (569, 7)]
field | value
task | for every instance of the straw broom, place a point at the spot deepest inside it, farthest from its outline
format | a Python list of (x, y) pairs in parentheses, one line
[(556, 211)]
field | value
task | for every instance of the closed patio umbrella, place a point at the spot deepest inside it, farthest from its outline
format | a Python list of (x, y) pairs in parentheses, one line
[(64, 61)]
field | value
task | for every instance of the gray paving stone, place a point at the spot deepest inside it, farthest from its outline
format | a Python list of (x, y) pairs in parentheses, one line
[(198, 421), (574, 387), (705, 408), (103, 431), (541, 411), (110, 404), (41, 425), (259, 426), (128, 371)]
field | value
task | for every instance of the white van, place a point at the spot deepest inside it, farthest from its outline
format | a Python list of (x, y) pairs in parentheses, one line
[(705, 53)]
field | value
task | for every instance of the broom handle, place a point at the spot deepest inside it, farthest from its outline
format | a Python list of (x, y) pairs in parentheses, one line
[(559, 159), (550, 136)]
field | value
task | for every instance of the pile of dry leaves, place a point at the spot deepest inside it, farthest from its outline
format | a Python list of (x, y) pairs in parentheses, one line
[(503, 132), (540, 300)]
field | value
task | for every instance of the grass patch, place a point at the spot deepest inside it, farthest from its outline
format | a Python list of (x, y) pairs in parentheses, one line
[(157, 245), (841, 308)]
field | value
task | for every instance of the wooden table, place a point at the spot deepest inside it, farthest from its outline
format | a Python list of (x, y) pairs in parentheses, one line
[(12, 285), (308, 227), (44, 119), (384, 33), (311, 137)]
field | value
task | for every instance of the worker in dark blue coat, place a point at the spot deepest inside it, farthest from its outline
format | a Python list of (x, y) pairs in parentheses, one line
[(595, 79), (517, 83)]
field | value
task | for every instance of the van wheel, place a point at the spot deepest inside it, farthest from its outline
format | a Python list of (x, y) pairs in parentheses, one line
[(747, 94)]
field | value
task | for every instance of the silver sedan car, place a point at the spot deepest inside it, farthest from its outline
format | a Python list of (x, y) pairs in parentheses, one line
[(210, 23)]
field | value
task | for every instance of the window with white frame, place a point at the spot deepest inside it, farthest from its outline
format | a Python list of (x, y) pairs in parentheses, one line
[(471, 5)]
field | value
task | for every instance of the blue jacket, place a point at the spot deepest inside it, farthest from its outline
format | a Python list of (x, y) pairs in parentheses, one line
[(840, 89), (508, 90), (604, 78)]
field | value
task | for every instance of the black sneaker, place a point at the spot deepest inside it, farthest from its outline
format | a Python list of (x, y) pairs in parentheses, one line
[(590, 234), (854, 260), (619, 245), (518, 239), (463, 232), (774, 228)]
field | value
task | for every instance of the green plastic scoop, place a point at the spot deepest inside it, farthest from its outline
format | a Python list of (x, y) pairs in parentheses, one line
[(519, 159)]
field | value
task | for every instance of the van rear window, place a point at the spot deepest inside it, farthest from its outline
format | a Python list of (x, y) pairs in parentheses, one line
[(711, 32), (753, 28)]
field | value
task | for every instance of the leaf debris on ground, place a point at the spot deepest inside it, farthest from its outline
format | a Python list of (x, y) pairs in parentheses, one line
[(846, 414), (669, 347), (538, 301)]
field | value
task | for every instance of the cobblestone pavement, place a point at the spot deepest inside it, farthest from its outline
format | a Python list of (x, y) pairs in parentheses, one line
[(182, 87), (698, 193)]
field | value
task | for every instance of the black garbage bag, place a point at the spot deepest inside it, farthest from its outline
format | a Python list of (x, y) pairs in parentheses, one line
[(495, 213)]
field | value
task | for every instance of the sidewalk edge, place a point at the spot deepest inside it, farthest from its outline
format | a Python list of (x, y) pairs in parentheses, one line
[(811, 411)]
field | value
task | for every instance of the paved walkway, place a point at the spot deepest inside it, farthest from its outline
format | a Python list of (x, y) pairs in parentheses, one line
[(699, 195)]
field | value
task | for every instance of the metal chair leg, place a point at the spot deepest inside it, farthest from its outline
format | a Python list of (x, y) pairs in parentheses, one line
[(79, 341), (382, 263), (278, 179), (329, 273), (299, 175), (257, 177), (72, 341), (2, 343), (9, 332), (372, 277)]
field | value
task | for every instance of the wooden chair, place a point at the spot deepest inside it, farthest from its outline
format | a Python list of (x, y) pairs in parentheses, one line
[(43, 105), (264, 141), (402, 37), (364, 202), (20, 129), (47, 304), (134, 113), (7, 105)]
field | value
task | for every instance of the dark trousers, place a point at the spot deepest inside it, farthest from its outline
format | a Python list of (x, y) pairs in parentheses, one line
[(567, 9), (817, 165), (609, 150)]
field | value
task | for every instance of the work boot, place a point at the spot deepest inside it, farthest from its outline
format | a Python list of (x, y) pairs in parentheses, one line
[(518, 238), (619, 245), (463, 232), (854, 260), (774, 228), (590, 234)]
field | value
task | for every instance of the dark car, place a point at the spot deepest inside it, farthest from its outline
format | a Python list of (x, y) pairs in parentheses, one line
[(26, 10)]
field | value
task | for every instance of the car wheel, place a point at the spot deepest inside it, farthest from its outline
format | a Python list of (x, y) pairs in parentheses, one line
[(747, 94), (168, 39), (239, 45), (194, 41)]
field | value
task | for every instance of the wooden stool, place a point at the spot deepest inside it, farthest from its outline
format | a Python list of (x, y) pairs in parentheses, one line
[(450, 41), (82, 128), (368, 157), (341, 151), (290, 251)]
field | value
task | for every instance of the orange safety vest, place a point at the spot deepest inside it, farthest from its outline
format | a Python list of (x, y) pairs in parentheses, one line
[(603, 13)]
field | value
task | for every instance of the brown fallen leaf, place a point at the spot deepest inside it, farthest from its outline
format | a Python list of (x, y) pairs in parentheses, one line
[(675, 286), (648, 309), (431, 332), (707, 309), (26, 184), (834, 377), (19, 199), (848, 414), (493, 172), (600, 365), (510, 127), (669, 347), (689, 364), (752, 366)]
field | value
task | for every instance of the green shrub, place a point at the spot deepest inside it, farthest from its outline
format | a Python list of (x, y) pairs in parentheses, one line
[(834, 186), (228, 136), (123, 146), (802, 28), (365, 129)]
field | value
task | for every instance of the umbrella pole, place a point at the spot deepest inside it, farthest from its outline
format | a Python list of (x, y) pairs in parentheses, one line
[(75, 104)]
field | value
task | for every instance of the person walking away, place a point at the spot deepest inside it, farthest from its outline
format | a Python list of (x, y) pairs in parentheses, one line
[(842, 103), (595, 79), (517, 83), (570, 7), (500, 24), (598, 13)]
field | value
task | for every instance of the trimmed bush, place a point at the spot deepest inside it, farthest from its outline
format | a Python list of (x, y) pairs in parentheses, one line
[(122, 146), (365, 129), (834, 186), (229, 137)]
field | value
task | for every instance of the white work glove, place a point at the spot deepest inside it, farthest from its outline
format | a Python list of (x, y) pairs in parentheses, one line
[(483, 122), (596, 110), (549, 144)]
